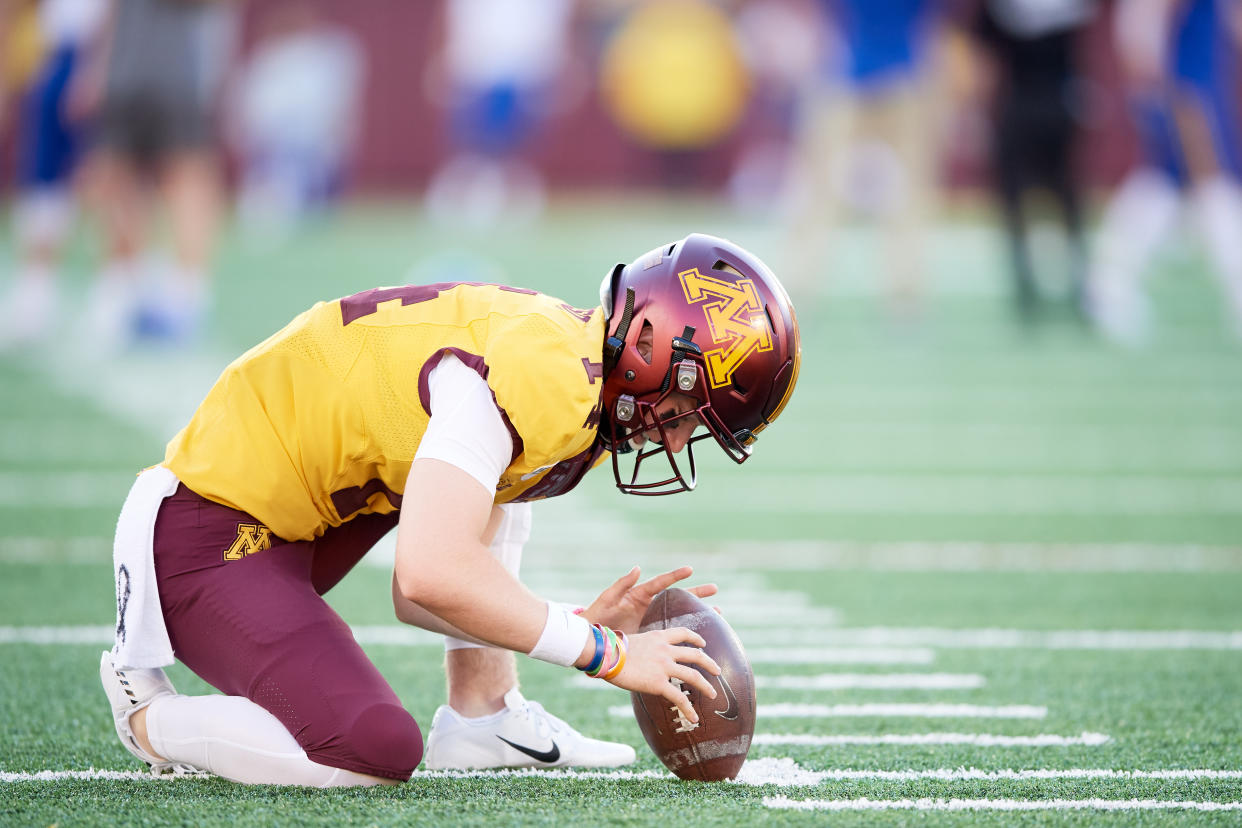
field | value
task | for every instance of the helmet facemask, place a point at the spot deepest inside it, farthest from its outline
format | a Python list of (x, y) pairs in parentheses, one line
[(648, 426)]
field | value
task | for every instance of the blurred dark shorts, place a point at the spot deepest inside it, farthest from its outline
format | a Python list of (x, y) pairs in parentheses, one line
[(244, 611), (149, 125)]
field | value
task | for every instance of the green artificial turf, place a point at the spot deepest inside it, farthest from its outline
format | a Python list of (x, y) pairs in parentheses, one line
[(957, 428)]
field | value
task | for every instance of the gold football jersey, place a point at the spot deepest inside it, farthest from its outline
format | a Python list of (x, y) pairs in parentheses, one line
[(321, 421)]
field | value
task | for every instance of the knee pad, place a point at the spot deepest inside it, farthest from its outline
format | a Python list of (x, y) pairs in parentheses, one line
[(386, 736)]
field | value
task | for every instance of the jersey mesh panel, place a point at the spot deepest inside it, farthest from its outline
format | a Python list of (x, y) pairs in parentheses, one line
[(336, 354), (393, 405)]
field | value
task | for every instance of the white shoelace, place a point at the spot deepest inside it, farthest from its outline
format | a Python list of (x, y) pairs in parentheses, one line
[(545, 723)]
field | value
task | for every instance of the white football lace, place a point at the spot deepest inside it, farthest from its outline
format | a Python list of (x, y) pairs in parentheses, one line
[(176, 769)]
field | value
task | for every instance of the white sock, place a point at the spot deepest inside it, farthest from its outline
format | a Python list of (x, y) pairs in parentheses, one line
[(42, 217), (1218, 211), (1137, 221), (30, 304), (484, 720), (237, 739)]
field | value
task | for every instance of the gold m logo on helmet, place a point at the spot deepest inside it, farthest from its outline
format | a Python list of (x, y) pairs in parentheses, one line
[(251, 538), (735, 320)]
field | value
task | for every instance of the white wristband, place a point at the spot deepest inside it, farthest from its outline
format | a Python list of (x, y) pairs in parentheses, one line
[(564, 636)]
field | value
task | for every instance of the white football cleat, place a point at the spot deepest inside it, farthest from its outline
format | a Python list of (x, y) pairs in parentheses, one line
[(128, 692), (1121, 312), (523, 735)]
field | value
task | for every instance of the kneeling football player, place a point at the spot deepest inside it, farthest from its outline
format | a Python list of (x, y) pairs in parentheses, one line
[(442, 410)]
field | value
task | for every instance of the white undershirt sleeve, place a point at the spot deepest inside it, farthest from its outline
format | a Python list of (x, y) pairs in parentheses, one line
[(466, 429)]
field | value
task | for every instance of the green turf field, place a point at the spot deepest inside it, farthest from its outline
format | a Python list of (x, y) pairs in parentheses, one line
[(976, 565)]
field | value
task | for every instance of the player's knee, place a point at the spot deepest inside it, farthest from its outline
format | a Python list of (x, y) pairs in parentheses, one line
[(386, 737)]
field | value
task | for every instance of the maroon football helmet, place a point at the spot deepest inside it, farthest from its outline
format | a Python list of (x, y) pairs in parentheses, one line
[(721, 330)]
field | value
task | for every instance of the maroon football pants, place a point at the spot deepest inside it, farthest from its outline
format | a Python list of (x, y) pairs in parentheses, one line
[(244, 611)]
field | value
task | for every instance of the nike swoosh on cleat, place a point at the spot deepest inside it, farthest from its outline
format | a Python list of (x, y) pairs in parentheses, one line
[(542, 755)]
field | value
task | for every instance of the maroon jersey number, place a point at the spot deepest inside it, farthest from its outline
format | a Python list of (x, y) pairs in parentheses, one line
[(366, 303)]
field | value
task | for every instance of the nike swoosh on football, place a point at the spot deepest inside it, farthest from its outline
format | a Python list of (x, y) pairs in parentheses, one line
[(542, 755), (731, 710)]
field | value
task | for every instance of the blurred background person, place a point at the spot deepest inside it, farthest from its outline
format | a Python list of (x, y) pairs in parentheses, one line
[(868, 139), (162, 64), (293, 116), (781, 44), (1180, 59), (1035, 89), (499, 75), (674, 80), (45, 46)]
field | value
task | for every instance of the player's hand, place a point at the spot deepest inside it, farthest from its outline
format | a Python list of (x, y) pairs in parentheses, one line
[(623, 604), (655, 657)]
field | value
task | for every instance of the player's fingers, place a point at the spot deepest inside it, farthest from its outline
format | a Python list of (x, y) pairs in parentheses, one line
[(693, 678), (663, 581), (690, 655), (622, 585), (680, 700), (684, 635), (704, 590)]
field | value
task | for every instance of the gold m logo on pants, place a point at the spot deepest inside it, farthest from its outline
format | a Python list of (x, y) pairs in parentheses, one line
[(251, 538)]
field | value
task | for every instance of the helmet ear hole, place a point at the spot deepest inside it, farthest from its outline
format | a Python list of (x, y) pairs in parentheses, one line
[(646, 341)]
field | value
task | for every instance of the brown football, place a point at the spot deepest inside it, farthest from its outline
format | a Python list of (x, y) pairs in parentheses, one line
[(715, 748)]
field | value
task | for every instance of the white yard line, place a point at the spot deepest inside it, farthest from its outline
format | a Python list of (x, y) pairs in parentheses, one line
[(992, 638), (402, 635), (96, 634), (759, 772), (65, 488), (840, 681), (863, 645), (782, 772), (979, 400), (864, 804), (873, 681), (840, 655), (99, 634), (35, 550), (742, 558), (786, 772), (86, 775), (122, 384), (913, 711), (1085, 739), (903, 493), (953, 556)]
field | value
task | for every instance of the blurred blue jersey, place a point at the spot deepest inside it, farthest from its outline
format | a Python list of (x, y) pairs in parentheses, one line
[(1203, 51), (883, 38), (48, 142), (1203, 71)]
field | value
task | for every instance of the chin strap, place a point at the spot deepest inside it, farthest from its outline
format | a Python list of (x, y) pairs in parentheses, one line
[(681, 345), (615, 345)]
